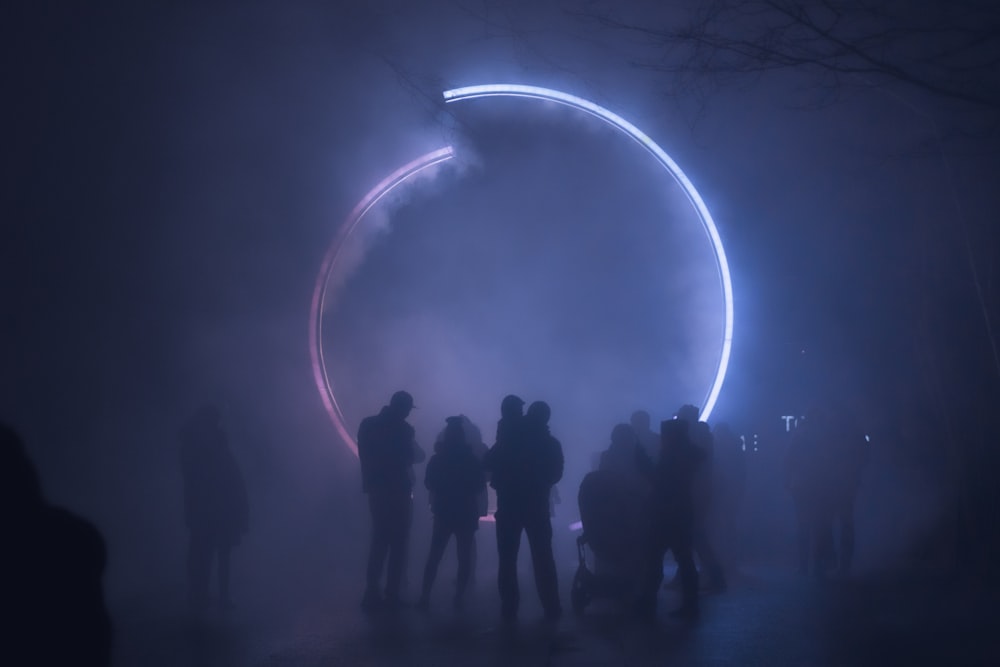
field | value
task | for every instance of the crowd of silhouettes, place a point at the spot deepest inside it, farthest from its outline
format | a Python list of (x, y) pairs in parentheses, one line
[(649, 494), (678, 491)]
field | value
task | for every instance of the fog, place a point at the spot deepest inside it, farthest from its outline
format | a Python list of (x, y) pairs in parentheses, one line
[(176, 176)]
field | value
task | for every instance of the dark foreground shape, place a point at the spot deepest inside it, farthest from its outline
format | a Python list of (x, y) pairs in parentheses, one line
[(52, 601)]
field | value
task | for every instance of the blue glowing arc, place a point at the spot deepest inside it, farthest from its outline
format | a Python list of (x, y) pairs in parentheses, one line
[(616, 121)]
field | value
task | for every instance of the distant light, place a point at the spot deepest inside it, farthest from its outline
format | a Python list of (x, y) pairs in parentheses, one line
[(613, 119), (867, 438)]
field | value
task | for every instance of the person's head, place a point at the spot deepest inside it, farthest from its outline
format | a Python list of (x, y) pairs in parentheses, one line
[(539, 412), (640, 421), (454, 432), (204, 422), (21, 487), (511, 407), (688, 413), (623, 435), (401, 404)]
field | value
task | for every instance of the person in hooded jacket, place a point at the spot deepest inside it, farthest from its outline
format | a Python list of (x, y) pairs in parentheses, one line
[(455, 480)]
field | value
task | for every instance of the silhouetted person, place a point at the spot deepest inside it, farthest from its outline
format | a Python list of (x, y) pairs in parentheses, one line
[(809, 483), (846, 455), (215, 504), (53, 561), (701, 437), (387, 450), (648, 439), (629, 470), (474, 439), (673, 510), (455, 479), (728, 487), (614, 503), (626, 458), (525, 463)]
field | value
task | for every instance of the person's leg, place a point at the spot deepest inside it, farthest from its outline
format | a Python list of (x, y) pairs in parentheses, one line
[(803, 533), (198, 565), (825, 555), (508, 526), (652, 574), (709, 559), (473, 558), (223, 553), (439, 541), (399, 538), (539, 530), (845, 516), (689, 577), (378, 549), (465, 541)]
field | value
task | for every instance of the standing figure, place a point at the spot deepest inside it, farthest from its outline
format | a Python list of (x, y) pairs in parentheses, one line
[(474, 439), (525, 463), (701, 437), (455, 480), (215, 503), (387, 450), (649, 440), (807, 477), (674, 517), (848, 455), (728, 488)]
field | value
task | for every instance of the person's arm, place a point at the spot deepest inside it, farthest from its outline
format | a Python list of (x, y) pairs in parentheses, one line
[(430, 474), (418, 453), (558, 461), (364, 455)]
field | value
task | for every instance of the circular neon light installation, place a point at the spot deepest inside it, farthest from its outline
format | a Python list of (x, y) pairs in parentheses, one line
[(409, 170)]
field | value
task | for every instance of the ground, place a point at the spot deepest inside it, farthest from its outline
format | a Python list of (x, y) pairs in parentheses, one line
[(768, 617)]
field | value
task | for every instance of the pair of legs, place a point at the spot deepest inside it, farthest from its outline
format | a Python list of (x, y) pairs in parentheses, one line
[(843, 519), (465, 542), (391, 516), (536, 524), (681, 544), (814, 537), (204, 546), (708, 556)]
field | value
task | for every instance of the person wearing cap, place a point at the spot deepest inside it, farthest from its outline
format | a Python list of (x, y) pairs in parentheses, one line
[(455, 479), (525, 463), (388, 450)]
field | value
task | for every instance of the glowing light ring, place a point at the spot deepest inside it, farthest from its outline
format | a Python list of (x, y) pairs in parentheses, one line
[(413, 168), (613, 119), (387, 185)]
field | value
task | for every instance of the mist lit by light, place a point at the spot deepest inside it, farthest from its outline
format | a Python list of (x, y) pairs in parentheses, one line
[(411, 169), (616, 121), (387, 185)]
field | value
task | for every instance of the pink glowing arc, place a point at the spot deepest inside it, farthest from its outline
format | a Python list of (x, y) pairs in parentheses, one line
[(387, 185)]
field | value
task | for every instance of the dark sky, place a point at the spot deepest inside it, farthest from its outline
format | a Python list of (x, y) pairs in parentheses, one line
[(173, 177)]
